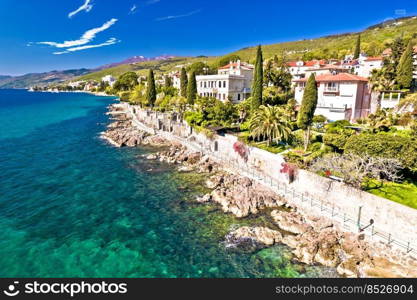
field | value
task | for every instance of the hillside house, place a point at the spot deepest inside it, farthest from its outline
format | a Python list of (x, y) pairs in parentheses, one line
[(232, 82), (109, 79), (298, 69), (366, 66), (342, 96)]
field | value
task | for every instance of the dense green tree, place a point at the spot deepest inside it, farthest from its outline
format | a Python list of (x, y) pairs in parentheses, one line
[(151, 89), (405, 68), (397, 49), (277, 74), (183, 83), (385, 145), (270, 123), (257, 85), (357, 48), (199, 68), (307, 109), (212, 112), (137, 96), (227, 59), (192, 89), (126, 82), (168, 81)]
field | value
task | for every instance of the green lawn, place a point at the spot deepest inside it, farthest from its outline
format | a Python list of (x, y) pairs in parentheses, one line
[(404, 193), (274, 148)]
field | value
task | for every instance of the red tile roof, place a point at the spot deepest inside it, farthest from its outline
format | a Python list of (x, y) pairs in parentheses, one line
[(376, 58), (339, 77), (310, 63)]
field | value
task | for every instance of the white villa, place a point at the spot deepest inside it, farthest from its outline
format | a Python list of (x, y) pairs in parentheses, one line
[(176, 79), (75, 84), (298, 68), (233, 82), (367, 65), (342, 96), (109, 79)]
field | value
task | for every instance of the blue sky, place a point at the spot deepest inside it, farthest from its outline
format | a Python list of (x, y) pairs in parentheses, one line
[(44, 35)]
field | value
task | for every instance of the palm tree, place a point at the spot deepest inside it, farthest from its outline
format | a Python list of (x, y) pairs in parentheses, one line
[(379, 81), (270, 123)]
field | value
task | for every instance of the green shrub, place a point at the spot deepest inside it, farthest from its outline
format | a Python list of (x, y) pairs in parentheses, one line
[(385, 145), (124, 96), (336, 140), (319, 119), (337, 126)]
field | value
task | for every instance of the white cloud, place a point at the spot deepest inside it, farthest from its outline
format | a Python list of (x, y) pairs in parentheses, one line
[(133, 9), (109, 42), (86, 6), (87, 37), (179, 16)]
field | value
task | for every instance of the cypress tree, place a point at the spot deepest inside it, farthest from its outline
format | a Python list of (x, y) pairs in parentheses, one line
[(191, 89), (405, 68), (258, 77), (168, 81), (183, 83), (307, 109), (151, 89), (357, 48), (397, 50)]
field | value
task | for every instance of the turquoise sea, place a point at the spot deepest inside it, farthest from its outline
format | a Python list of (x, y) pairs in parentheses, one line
[(73, 206)]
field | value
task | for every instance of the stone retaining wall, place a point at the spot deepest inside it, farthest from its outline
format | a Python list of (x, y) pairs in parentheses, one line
[(393, 220)]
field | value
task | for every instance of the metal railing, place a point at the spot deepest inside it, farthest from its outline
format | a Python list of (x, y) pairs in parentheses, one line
[(238, 166)]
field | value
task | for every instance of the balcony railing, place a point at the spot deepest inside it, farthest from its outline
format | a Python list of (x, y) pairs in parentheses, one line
[(331, 89)]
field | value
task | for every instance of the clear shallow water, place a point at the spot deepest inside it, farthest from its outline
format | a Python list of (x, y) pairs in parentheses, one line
[(73, 206)]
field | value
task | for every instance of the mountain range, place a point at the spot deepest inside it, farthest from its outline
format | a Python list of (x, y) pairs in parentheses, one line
[(55, 77)]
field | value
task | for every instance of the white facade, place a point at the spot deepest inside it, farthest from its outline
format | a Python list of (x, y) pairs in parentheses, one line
[(76, 84), (176, 79), (109, 79), (369, 64), (298, 69), (233, 82), (340, 97)]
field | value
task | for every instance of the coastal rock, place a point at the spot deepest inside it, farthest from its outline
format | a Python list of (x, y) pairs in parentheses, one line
[(242, 196), (290, 221), (204, 199), (252, 238)]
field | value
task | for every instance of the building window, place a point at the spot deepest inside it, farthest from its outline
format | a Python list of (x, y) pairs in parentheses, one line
[(238, 97), (205, 84), (224, 84), (331, 87)]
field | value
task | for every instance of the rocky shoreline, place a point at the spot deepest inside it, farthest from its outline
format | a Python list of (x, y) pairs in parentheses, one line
[(312, 240)]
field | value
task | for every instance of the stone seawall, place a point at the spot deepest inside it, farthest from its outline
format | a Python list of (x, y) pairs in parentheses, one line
[(314, 195)]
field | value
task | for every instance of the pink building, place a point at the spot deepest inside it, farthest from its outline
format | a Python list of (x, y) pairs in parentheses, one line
[(342, 96)]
